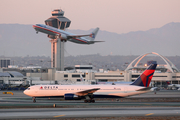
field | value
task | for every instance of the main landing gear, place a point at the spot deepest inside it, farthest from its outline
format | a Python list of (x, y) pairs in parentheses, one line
[(34, 99), (89, 99)]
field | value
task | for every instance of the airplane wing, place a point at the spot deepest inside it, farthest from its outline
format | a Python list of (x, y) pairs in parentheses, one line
[(86, 92), (177, 85), (77, 36), (154, 89)]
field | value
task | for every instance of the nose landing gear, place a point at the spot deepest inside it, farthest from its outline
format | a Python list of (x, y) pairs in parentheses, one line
[(34, 99)]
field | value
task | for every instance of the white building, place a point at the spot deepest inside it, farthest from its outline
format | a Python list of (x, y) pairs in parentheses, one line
[(167, 72)]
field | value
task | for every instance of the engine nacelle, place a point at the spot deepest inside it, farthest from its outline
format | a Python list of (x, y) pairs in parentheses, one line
[(52, 36), (63, 37), (71, 97)]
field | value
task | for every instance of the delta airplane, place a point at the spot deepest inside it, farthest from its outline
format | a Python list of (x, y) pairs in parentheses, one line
[(172, 85), (89, 92), (80, 39), (155, 89)]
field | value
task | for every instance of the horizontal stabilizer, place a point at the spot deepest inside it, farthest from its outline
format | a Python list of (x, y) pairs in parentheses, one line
[(95, 41), (144, 89)]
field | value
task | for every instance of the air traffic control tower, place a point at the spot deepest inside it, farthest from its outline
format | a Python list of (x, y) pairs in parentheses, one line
[(57, 45)]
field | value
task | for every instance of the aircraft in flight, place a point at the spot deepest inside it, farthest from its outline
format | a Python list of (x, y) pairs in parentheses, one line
[(80, 39), (89, 92)]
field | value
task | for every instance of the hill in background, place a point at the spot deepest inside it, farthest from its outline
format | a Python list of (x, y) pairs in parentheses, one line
[(110, 62), (22, 40)]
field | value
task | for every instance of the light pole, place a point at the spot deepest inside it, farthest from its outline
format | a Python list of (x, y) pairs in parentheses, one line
[(51, 72), (50, 63)]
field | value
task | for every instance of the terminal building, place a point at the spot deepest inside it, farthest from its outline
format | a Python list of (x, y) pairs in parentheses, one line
[(163, 73), (4, 62)]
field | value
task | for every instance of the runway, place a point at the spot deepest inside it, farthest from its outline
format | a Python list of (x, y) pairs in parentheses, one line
[(20, 106), (49, 113)]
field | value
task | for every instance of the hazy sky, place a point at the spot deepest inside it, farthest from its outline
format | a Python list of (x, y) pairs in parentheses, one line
[(120, 16)]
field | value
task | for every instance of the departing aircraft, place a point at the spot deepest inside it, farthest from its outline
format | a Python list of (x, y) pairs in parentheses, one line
[(172, 85), (80, 39), (89, 92)]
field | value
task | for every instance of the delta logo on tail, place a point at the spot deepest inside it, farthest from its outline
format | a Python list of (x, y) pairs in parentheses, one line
[(168, 83), (145, 78)]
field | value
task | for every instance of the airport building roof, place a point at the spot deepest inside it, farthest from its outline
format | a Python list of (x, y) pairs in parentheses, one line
[(4, 74), (15, 74), (11, 74)]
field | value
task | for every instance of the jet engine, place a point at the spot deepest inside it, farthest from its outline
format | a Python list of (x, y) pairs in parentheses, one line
[(63, 37), (71, 97)]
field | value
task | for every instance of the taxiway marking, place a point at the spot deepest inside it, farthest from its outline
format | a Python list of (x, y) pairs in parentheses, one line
[(59, 116), (149, 114)]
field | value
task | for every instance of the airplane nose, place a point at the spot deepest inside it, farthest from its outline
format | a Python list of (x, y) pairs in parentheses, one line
[(25, 92), (34, 26)]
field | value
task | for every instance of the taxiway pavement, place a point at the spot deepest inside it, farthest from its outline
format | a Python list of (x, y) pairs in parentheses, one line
[(20, 106)]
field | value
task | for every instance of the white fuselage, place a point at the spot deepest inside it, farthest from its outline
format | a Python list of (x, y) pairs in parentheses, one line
[(104, 90), (54, 31), (174, 85)]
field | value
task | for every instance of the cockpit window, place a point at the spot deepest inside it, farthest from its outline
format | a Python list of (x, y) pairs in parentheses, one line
[(28, 88)]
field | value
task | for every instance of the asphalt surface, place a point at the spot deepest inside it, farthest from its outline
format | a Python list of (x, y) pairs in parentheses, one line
[(50, 113), (163, 103)]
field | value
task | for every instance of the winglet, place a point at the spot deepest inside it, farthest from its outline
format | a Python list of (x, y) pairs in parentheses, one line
[(145, 78)]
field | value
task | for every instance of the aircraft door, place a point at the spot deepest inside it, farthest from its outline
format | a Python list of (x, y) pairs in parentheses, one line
[(125, 89)]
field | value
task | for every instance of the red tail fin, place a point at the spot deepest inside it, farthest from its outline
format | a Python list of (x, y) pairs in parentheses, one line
[(145, 78)]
